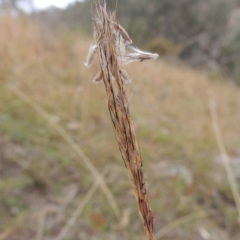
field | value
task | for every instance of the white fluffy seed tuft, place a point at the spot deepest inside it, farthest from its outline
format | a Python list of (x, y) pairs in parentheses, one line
[(139, 55)]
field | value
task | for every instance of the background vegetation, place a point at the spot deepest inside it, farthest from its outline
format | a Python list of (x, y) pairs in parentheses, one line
[(206, 34), (47, 98)]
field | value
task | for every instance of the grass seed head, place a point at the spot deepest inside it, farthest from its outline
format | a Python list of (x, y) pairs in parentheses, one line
[(91, 53), (123, 32), (125, 76), (98, 77), (112, 43)]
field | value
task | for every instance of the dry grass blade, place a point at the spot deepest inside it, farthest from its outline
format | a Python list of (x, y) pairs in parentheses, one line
[(40, 230), (181, 221), (114, 77), (187, 219), (79, 209), (223, 152), (73, 145), (5, 234)]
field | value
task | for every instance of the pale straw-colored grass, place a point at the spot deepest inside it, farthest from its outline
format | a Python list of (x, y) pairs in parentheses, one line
[(225, 158)]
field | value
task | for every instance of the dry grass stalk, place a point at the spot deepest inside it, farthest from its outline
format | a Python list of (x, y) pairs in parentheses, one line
[(72, 144), (71, 221), (225, 158), (113, 52), (192, 217)]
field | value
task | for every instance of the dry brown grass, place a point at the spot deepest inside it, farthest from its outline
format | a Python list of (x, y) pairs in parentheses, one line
[(171, 114)]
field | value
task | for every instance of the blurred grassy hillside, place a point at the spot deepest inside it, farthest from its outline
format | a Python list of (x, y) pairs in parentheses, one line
[(47, 98), (205, 34)]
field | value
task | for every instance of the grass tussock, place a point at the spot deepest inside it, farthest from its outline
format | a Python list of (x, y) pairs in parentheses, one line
[(43, 180)]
